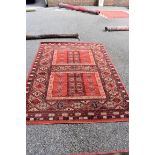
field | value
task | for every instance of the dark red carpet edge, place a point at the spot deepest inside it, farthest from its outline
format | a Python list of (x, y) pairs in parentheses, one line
[(77, 121), (118, 151)]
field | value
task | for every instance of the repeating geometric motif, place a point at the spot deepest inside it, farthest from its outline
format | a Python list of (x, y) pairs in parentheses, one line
[(71, 82)]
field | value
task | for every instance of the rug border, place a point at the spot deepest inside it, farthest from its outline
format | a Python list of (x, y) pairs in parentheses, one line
[(109, 57), (94, 153), (78, 121)]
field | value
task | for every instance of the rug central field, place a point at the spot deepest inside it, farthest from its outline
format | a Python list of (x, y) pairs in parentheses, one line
[(74, 83)]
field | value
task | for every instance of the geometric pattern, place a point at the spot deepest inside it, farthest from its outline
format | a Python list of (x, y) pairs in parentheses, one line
[(114, 14), (72, 82)]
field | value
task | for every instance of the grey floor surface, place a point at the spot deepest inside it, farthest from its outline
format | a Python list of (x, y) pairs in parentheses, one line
[(62, 139)]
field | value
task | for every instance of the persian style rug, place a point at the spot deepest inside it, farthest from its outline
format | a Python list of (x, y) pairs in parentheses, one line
[(73, 82), (114, 14)]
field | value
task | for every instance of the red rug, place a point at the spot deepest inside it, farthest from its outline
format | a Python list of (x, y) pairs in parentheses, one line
[(122, 152), (74, 83), (114, 14)]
